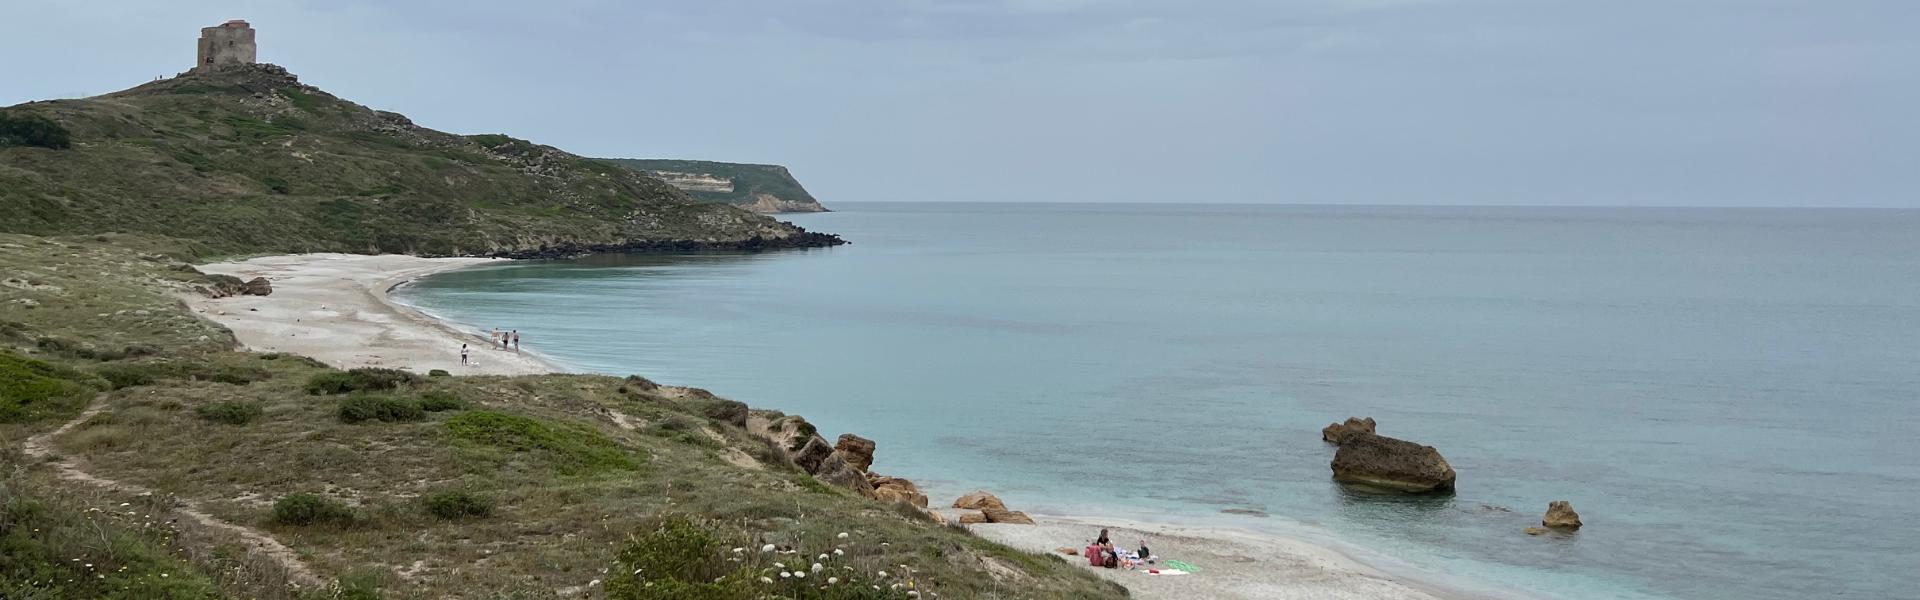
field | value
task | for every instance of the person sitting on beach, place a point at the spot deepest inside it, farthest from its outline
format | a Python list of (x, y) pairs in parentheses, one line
[(1145, 554), (1109, 557), (1102, 540)]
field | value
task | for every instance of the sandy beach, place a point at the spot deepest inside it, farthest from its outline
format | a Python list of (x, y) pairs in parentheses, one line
[(1232, 564), (334, 307)]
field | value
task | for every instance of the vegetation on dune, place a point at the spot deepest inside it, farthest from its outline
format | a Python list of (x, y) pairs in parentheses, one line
[(31, 389), (251, 160), (63, 544)]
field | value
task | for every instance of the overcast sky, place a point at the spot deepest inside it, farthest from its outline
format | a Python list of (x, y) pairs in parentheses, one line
[(1659, 102)]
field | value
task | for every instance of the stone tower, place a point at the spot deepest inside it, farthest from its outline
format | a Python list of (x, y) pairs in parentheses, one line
[(231, 43)]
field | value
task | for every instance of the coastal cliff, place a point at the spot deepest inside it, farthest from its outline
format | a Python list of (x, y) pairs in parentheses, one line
[(249, 159), (763, 189)]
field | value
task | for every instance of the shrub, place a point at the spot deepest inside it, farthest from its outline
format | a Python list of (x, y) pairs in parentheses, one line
[(574, 450), (33, 130), (438, 373), (436, 401), (458, 504), (31, 389), (331, 382), (367, 407), (676, 557), (146, 373), (302, 508), (376, 378), (231, 413)]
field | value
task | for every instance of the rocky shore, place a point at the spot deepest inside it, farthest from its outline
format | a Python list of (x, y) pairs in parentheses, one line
[(801, 240)]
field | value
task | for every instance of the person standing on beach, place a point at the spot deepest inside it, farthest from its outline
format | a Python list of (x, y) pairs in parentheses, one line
[(463, 355), (516, 340)]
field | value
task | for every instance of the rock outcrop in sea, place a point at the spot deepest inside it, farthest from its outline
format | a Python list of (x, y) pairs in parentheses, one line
[(1391, 464), (1560, 515), (1332, 433)]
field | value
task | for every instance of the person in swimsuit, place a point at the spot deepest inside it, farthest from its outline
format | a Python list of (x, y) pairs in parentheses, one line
[(463, 354)]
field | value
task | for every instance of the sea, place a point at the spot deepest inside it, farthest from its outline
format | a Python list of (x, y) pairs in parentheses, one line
[(1730, 397)]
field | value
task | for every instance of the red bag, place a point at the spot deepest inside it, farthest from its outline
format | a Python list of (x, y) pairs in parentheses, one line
[(1093, 555)]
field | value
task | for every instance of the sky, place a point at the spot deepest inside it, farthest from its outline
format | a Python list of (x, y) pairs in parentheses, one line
[(1507, 102)]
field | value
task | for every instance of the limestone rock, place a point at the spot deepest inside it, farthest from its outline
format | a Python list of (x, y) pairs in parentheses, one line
[(979, 500), (1560, 515), (859, 450), (1333, 433), (1001, 515), (938, 519), (895, 489), (811, 454), (972, 517), (835, 469), (259, 286), (1534, 530), (1392, 464)]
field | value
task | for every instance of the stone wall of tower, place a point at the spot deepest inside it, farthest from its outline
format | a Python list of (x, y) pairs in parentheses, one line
[(228, 44)]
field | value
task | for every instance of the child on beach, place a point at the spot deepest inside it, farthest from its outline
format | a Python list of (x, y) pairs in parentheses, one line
[(463, 355)]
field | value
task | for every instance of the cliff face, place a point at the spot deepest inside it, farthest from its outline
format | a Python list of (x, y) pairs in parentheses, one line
[(248, 159), (758, 188)]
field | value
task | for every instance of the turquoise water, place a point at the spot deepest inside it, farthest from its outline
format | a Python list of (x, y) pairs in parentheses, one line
[(1727, 396)]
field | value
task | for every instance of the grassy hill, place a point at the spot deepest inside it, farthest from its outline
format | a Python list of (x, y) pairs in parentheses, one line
[(761, 188), (394, 485), (248, 159)]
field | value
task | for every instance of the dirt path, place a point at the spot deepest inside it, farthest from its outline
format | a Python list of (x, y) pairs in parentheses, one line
[(40, 447)]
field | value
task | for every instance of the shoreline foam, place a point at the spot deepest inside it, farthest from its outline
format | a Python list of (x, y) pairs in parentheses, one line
[(338, 308)]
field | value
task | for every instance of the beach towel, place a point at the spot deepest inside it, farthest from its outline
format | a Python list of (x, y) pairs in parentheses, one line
[(1179, 565)]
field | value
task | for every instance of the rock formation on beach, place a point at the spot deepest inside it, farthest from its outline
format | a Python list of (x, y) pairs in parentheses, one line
[(859, 450), (1386, 463), (979, 500), (1334, 432), (896, 489), (1560, 515)]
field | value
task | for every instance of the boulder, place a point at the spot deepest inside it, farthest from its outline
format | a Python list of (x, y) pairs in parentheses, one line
[(811, 454), (1534, 530), (938, 519), (1332, 433), (836, 470), (969, 518), (895, 489), (1382, 462), (1560, 515), (1001, 515), (979, 500), (259, 286), (859, 450)]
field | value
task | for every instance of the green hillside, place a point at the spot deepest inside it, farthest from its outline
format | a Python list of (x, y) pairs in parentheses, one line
[(248, 159), (763, 188)]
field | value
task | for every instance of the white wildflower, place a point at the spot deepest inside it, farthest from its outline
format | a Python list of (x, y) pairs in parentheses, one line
[(882, 573), (800, 574), (767, 548), (739, 550), (823, 557), (833, 580), (816, 567), (843, 535), (785, 575), (839, 552), (766, 580), (780, 564)]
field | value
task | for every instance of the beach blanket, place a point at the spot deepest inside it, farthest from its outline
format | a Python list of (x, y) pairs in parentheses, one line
[(1179, 565)]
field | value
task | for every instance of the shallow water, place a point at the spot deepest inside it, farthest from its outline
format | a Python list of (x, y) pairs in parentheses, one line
[(1728, 396)]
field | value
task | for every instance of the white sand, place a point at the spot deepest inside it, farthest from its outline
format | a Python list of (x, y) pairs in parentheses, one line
[(1232, 564), (334, 307)]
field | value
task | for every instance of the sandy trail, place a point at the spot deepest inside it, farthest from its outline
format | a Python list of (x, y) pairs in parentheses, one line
[(39, 448), (334, 307)]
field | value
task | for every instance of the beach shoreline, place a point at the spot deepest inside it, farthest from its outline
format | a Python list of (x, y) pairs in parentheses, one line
[(338, 308)]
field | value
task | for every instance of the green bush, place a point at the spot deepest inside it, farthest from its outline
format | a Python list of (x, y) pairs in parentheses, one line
[(438, 373), (31, 389), (458, 504), (436, 401), (360, 408), (359, 380), (302, 509), (126, 375), (229, 412), (574, 450), (33, 130)]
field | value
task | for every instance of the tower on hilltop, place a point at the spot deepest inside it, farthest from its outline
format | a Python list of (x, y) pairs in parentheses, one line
[(228, 44)]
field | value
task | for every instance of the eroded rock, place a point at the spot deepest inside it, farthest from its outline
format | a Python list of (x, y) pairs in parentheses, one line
[(859, 450), (1386, 463), (979, 500), (1001, 515), (1560, 515), (258, 286), (1334, 432)]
